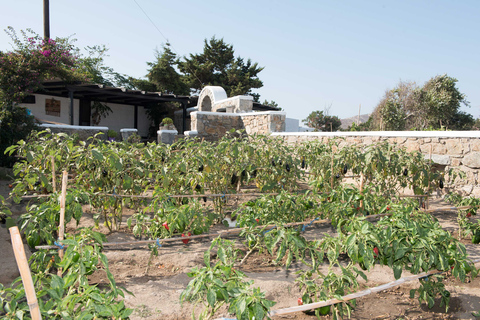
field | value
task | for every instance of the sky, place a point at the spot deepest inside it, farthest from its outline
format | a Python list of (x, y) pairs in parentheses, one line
[(337, 55)]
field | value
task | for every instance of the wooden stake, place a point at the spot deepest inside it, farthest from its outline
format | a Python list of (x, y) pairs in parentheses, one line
[(361, 189), (430, 163), (331, 172), (54, 181), (61, 226), (22, 264)]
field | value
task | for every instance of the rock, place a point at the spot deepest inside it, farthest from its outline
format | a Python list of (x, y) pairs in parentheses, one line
[(453, 146), (472, 160), (439, 159), (476, 192), (467, 190)]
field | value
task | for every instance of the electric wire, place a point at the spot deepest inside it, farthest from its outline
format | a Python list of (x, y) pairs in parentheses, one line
[(153, 23)]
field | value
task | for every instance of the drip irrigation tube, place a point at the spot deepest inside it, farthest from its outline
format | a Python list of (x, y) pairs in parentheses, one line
[(352, 296), (212, 195), (208, 235), (239, 230)]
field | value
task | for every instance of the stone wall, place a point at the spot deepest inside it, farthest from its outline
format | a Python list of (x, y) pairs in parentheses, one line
[(450, 149), (237, 104), (214, 125), (83, 132)]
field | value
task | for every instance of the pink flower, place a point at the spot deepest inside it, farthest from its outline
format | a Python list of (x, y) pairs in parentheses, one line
[(46, 53)]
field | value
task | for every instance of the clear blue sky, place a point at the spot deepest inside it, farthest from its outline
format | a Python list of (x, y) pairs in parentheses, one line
[(315, 53)]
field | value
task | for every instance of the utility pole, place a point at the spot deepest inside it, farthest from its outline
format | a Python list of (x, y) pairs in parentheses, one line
[(46, 19)]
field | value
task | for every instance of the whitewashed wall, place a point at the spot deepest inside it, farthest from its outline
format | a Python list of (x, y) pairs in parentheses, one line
[(122, 116), (38, 109)]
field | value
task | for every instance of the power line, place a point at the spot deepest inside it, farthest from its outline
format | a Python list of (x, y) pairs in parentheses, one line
[(151, 21)]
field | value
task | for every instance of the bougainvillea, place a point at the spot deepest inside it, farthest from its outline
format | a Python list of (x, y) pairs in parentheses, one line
[(32, 61)]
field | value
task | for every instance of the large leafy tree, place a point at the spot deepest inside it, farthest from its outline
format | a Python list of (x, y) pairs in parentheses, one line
[(163, 73), (435, 105), (216, 66), (321, 121), (440, 101)]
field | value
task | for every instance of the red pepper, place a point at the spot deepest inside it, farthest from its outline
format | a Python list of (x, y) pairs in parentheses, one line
[(300, 301), (186, 240), (165, 224), (375, 250), (258, 220), (388, 208)]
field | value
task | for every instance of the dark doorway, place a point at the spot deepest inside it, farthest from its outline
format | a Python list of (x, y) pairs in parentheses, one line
[(85, 112)]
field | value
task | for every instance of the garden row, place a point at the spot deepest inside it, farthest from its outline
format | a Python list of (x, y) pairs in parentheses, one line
[(102, 173)]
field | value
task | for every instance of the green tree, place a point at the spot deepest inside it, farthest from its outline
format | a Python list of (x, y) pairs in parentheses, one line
[(163, 74), (217, 66), (15, 124), (93, 65), (440, 101), (270, 103), (321, 121), (434, 106)]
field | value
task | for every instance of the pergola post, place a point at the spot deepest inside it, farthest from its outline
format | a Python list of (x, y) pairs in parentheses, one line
[(184, 116), (135, 117), (70, 95)]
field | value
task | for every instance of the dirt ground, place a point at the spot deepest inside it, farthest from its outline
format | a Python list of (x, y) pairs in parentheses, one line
[(157, 281)]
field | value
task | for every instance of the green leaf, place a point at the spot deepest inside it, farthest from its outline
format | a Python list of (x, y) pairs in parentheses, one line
[(258, 311), (221, 255), (206, 258), (412, 293), (240, 307), (397, 271), (211, 297), (97, 155)]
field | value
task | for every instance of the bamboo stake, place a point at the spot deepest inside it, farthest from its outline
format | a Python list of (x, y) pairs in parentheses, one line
[(22, 263), (54, 181), (61, 225)]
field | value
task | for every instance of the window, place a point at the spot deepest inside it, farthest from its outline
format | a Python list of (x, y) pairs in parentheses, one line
[(52, 107)]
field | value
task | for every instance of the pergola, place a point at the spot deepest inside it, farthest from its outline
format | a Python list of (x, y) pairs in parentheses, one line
[(135, 98), (102, 93)]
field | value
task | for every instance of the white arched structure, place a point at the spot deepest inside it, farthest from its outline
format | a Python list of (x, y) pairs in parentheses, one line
[(209, 96)]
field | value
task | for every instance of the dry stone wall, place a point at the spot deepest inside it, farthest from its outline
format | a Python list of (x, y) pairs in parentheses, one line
[(214, 125), (83, 132), (449, 149)]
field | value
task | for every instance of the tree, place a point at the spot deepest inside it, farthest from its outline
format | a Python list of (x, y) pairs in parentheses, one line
[(93, 65), (163, 74), (439, 101), (322, 122), (215, 66), (433, 106), (270, 103)]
